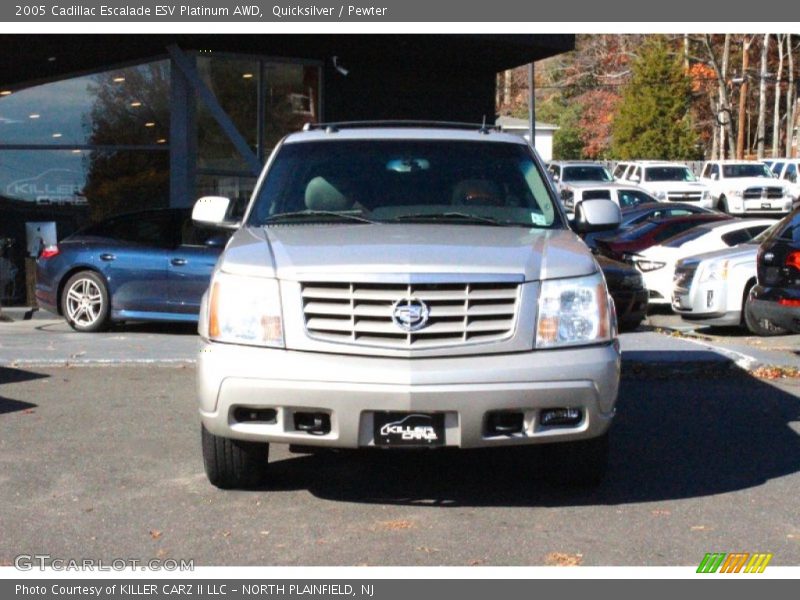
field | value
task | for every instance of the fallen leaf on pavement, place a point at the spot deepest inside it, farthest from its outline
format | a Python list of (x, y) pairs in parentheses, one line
[(395, 525), (155, 534), (562, 559)]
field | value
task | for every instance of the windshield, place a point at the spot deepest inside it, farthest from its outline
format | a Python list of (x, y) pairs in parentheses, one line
[(404, 180), (636, 232), (746, 170), (668, 174), (585, 173)]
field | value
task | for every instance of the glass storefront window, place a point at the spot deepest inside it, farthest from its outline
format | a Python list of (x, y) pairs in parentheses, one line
[(292, 99), (235, 83), (123, 106)]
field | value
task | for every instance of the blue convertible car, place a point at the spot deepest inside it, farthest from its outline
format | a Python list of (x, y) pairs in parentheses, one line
[(147, 266)]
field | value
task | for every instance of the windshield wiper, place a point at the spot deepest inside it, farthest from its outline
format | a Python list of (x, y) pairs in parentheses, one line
[(453, 216), (311, 215)]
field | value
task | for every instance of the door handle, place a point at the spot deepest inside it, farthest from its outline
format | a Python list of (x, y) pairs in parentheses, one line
[(178, 262), (107, 257)]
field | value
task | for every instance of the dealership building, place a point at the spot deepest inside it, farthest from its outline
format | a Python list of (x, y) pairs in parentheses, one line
[(96, 125)]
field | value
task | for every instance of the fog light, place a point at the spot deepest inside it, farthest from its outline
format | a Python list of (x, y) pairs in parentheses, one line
[(709, 298), (560, 416), (255, 415)]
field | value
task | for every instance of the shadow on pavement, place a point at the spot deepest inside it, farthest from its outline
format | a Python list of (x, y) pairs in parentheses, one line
[(13, 375), (673, 438)]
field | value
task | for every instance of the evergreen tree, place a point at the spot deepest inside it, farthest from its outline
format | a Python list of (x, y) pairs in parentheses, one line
[(654, 118)]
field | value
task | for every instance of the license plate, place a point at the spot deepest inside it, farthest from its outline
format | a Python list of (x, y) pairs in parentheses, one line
[(408, 429), (766, 205)]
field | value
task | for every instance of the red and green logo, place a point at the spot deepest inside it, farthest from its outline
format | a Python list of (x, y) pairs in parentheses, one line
[(737, 562)]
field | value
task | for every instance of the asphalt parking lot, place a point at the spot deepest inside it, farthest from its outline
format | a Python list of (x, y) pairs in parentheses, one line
[(100, 458)]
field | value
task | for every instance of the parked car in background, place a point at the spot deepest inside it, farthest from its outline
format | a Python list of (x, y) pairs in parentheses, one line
[(628, 243), (152, 265), (657, 263), (626, 286), (624, 196), (786, 170), (745, 187), (712, 288), (636, 215), (621, 170), (574, 171), (774, 301), (668, 182)]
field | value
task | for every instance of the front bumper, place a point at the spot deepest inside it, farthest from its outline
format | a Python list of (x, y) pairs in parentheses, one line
[(708, 303), (737, 206), (765, 305), (350, 389)]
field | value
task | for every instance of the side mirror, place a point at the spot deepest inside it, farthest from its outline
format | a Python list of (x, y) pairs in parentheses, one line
[(635, 178), (596, 215), (211, 211), (555, 177), (715, 176)]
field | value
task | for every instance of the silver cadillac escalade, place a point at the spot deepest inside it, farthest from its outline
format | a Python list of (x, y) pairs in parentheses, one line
[(401, 285)]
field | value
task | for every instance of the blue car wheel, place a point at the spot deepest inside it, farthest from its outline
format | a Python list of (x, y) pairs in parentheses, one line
[(84, 302)]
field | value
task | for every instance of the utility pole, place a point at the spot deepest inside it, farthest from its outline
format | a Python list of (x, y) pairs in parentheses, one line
[(743, 98)]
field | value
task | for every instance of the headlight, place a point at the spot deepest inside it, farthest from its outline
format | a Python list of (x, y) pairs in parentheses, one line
[(661, 195), (715, 271), (706, 195), (736, 193), (650, 265), (573, 312), (245, 310)]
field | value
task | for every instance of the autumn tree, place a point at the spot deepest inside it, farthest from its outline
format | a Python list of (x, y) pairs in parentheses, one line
[(654, 118)]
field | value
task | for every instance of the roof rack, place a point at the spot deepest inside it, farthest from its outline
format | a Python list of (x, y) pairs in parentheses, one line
[(336, 126)]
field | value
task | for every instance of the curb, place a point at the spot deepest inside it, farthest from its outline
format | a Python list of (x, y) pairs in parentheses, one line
[(25, 313)]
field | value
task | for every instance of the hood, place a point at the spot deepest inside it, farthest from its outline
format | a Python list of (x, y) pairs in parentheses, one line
[(675, 186), (310, 251)]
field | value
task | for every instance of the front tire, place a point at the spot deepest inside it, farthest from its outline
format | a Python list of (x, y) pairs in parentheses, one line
[(580, 463), (232, 464), (722, 205), (85, 303)]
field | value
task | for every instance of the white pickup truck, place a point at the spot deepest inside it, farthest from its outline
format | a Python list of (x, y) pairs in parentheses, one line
[(745, 187)]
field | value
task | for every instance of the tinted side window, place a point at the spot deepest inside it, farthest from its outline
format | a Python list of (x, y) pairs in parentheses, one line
[(736, 237), (148, 229), (776, 168), (634, 198), (619, 170), (791, 172)]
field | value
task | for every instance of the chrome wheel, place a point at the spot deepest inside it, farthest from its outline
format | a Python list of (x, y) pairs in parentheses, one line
[(84, 302)]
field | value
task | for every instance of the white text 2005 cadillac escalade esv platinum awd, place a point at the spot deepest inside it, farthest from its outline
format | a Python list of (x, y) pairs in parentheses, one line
[(406, 286)]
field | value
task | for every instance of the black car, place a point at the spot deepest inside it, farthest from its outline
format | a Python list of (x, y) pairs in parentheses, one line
[(774, 302), (636, 215), (626, 286)]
